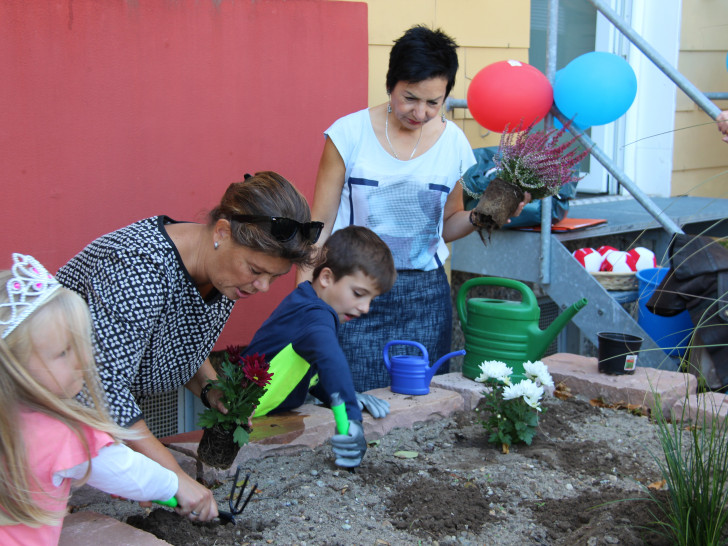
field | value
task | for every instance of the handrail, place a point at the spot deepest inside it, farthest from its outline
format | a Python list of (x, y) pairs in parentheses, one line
[(640, 196), (681, 81)]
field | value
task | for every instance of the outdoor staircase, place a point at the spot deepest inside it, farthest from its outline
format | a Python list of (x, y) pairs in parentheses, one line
[(543, 259), (517, 255)]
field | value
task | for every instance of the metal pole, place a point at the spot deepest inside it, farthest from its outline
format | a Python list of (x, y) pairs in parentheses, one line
[(552, 36), (451, 103), (623, 179), (716, 96), (681, 81)]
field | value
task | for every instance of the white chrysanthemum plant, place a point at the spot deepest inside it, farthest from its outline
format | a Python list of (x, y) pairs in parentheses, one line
[(513, 407)]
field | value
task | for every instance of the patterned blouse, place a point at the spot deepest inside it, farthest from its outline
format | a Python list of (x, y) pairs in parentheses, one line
[(153, 330)]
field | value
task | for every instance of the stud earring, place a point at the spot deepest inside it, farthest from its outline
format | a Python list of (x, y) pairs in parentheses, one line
[(216, 245)]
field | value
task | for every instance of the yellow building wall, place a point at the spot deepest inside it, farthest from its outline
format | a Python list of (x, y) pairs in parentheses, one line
[(487, 31), (700, 158)]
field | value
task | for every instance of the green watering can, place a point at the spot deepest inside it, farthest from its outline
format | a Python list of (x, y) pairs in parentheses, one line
[(505, 330)]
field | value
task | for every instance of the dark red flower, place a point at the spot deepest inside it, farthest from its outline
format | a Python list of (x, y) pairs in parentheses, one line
[(256, 369), (233, 352)]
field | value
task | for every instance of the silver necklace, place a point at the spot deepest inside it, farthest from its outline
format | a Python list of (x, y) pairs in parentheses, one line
[(386, 134)]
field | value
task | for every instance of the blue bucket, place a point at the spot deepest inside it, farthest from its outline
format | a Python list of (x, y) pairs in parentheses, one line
[(672, 334)]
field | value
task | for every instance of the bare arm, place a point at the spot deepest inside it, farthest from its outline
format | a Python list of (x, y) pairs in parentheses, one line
[(192, 496), (198, 382), (456, 220), (327, 196)]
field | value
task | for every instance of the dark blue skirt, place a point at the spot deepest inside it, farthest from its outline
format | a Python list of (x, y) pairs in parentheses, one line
[(418, 308)]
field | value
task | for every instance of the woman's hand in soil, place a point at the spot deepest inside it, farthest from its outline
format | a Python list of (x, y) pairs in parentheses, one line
[(195, 500), (350, 448)]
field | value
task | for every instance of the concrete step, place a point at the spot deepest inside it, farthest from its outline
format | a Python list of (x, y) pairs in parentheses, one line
[(581, 375), (92, 529)]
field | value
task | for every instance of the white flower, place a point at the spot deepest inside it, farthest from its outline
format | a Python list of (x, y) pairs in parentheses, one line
[(532, 393), (538, 372), (493, 369), (511, 392)]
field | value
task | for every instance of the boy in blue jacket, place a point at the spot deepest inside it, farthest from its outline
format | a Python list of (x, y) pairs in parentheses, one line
[(356, 267)]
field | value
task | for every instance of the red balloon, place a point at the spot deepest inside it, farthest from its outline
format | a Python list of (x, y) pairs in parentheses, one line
[(507, 93)]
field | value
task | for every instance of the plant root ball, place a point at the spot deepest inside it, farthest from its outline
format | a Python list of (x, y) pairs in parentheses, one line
[(498, 203)]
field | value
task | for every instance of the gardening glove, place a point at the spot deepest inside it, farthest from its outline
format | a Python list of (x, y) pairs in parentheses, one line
[(376, 406), (350, 448)]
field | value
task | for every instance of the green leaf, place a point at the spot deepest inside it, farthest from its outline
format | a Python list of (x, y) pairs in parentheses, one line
[(241, 436), (406, 454), (527, 435)]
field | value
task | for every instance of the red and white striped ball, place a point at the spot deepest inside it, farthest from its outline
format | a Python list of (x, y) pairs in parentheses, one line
[(618, 261), (643, 258), (589, 258), (604, 249)]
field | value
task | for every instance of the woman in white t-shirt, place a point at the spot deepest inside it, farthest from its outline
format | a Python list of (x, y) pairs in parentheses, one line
[(395, 168)]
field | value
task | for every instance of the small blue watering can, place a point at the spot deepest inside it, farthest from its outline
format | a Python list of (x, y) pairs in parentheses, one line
[(411, 374)]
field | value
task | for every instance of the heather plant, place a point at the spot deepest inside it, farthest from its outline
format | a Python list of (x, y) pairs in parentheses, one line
[(533, 162), (537, 162)]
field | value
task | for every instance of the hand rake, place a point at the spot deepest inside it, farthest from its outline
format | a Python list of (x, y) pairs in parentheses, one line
[(236, 498)]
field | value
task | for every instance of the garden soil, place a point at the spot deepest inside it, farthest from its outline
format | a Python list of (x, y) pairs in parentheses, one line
[(584, 480)]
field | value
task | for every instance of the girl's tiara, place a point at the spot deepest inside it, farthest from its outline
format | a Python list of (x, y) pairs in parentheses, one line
[(28, 288)]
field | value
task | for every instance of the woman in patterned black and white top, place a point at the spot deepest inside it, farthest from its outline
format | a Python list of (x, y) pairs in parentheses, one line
[(160, 292)]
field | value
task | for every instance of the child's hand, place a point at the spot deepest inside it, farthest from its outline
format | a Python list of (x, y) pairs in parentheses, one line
[(376, 406), (350, 448)]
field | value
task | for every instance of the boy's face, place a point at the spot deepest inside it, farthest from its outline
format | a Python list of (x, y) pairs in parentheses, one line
[(349, 296)]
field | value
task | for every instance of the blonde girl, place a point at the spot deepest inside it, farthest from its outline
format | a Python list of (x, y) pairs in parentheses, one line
[(47, 438)]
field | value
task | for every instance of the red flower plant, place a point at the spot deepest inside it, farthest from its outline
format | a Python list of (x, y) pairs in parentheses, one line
[(255, 369), (242, 380)]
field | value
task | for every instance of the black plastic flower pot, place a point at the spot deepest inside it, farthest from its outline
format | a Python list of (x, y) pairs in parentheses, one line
[(618, 352)]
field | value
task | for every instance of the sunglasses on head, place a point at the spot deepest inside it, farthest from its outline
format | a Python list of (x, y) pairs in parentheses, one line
[(284, 229)]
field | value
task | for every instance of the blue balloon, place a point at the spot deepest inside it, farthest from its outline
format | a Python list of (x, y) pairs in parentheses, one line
[(595, 88)]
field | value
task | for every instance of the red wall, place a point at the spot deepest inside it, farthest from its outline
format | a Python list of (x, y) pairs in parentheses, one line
[(112, 111)]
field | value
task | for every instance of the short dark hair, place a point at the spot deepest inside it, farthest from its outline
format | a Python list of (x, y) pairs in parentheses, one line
[(421, 54), (357, 248), (266, 194)]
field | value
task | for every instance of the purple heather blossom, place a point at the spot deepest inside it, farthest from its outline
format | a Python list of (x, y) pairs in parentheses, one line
[(536, 162)]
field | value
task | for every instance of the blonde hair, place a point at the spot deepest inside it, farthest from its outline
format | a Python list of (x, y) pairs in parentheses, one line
[(20, 391)]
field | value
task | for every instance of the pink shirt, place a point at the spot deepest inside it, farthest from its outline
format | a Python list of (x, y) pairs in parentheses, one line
[(51, 447)]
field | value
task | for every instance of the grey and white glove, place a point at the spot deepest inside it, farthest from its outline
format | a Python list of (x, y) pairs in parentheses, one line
[(350, 448), (376, 406)]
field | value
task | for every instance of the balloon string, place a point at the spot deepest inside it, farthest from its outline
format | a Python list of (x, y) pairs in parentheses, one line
[(668, 132)]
